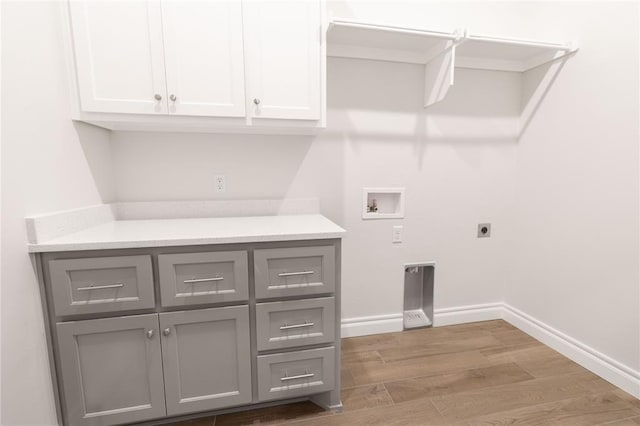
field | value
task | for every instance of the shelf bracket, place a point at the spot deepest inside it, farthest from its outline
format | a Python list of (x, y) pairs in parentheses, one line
[(439, 76)]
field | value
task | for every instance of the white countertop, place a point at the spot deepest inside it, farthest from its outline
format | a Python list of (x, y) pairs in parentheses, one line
[(121, 234)]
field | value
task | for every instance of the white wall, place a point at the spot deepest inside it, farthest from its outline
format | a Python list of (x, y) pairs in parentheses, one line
[(453, 166), (575, 257), (45, 167)]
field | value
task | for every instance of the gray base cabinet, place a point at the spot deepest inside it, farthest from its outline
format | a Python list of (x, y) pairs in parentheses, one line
[(140, 335)]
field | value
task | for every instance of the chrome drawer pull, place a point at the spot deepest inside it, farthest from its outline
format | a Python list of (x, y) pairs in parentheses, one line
[(203, 280), (100, 287), (301, 376), (293, 274), (289, 327)]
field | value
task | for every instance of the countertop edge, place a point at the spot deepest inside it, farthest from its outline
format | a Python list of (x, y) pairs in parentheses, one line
[(112, 245)]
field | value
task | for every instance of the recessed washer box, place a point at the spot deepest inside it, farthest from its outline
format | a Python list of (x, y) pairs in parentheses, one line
[(383, 203)]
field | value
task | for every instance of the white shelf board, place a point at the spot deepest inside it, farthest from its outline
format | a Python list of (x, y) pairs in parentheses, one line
[(504, 54), (362, 40)]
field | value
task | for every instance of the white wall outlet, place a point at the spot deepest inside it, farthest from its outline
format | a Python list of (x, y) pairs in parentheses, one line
[(220, 182), (396, 236)]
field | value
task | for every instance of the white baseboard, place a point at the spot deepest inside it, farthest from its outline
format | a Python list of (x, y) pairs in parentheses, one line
[(363, 326), (609, 369), (464, 314)]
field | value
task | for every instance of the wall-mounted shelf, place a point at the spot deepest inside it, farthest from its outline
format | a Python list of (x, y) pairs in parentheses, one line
[(504, 54), (440, 52), (383, 203), (352, 39)]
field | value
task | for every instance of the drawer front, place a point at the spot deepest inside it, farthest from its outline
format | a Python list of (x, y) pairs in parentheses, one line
[(295, 323), (198, 278), (294, 271), (293, 374), (101, 284)]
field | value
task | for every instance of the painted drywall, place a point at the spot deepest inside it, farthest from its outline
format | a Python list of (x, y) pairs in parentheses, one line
[(575, 258), (452, 164), (48, 164)]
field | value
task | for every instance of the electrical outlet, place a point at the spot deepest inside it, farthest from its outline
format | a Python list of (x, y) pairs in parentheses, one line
[(484, 230), (396, 236), (220, 182)]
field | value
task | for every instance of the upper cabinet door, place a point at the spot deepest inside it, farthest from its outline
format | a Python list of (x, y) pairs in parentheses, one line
[(283, 45), (119, 56), (204, 57)]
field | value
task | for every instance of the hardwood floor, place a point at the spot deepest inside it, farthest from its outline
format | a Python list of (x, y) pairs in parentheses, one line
[(482, 373)]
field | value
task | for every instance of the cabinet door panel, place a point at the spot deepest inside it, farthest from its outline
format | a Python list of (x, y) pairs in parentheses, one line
[(204, 57), (206, 359), (111, 370), (283, 45), (119, 56)]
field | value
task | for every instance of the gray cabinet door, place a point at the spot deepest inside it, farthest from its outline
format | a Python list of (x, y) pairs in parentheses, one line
[(111, 370), (206, 359), (294, 271), (101, 284), (197, 278)]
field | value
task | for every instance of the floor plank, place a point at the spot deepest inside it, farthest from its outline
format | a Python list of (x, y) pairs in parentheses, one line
[(417, 367), (449, 345), (420, 412), (368, 396), (299, 411), (471, 404), (445, 384), (633, 421), (577, 411)]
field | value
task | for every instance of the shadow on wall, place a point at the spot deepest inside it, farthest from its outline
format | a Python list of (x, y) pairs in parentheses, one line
[(176, 166), (382, 102), (96, 146), (375, 102), (536, 84)]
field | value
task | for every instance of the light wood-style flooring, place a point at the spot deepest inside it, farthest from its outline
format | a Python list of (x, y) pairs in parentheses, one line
[(486, 373)]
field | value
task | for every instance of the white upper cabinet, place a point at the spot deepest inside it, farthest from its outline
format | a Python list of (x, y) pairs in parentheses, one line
[(204, 57), (119, 56), (205, 65), (283, 48)]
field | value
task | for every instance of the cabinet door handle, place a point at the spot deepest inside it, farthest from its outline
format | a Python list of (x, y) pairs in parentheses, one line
[(173, 97), (150, 334), (157, 97), (289, 327), (166, 331), (203, 280), (256, 101), (300, 376), (100, 287), (293, 274)]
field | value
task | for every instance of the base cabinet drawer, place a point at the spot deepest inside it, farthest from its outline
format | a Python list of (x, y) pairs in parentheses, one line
[(111, 370), (295, 323), (101, 284), (293, 374), (295, 271), (198, 278)]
